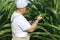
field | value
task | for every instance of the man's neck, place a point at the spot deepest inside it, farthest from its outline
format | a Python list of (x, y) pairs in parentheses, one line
[(19, 12)]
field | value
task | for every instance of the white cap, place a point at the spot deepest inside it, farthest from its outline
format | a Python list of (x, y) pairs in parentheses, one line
[(21, 3)]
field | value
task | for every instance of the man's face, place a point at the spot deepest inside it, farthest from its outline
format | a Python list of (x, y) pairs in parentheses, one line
[(23, 10)]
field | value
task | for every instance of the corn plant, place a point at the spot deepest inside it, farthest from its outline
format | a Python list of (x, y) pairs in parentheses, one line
[(47, 29), (6, 9)]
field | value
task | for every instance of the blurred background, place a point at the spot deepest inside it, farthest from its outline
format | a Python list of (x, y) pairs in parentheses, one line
[(47, 29)]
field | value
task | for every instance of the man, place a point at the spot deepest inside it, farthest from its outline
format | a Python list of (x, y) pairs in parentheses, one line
[(20, 25)]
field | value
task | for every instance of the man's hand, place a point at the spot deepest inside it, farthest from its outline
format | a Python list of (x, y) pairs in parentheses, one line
[(39, 17)]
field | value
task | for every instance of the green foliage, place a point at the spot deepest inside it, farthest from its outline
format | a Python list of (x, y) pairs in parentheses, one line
[(6, 9), (47, 29)]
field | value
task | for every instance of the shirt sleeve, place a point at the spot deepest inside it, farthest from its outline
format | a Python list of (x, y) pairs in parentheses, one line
[(23, 23)]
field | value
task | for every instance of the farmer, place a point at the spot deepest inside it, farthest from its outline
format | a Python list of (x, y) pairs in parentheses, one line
[(20, 25)]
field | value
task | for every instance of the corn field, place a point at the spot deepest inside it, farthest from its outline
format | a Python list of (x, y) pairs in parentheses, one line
[(47, 29)]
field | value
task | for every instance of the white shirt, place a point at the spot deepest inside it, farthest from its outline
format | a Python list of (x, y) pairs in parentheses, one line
[(19, 25)]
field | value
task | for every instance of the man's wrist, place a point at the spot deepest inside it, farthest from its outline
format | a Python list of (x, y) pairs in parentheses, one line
[(37, 19)]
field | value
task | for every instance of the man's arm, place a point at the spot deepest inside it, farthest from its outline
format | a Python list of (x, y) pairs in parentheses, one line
[(33, 26)]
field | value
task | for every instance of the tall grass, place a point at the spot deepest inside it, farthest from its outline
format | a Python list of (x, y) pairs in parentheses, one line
[(49, 27), (6, 9)]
